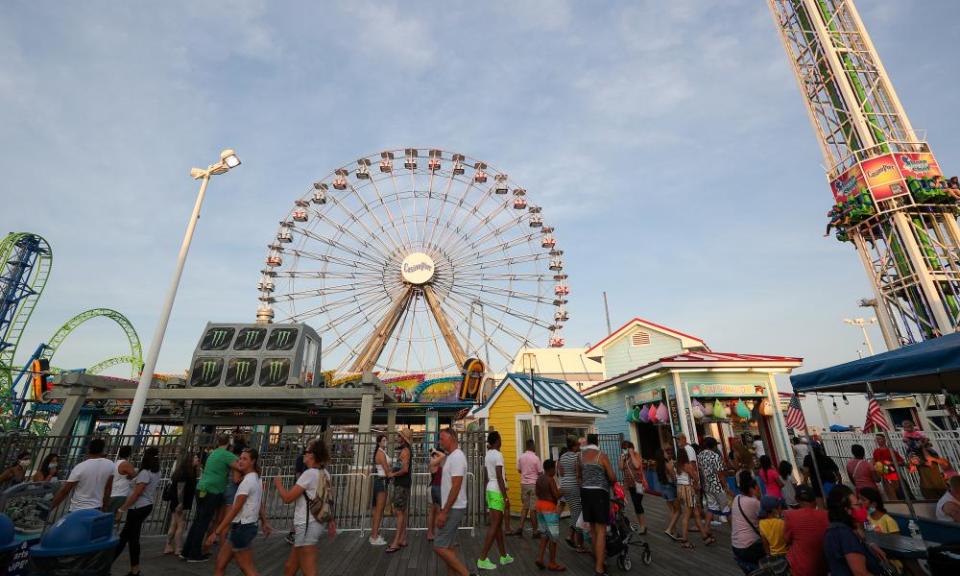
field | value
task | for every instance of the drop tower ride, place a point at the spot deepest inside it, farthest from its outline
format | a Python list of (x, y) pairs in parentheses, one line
[(891, 199)]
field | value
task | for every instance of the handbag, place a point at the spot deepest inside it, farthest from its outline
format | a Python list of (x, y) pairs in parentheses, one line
[(775, 566)]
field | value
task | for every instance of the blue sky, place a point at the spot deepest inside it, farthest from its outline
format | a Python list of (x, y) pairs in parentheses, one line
[(667, 141)]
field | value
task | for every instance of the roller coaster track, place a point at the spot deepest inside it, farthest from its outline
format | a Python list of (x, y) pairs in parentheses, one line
[(134, 358), (25, 263)]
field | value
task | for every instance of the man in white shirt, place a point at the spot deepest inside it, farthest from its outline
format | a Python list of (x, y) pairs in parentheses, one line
[(90, 481), (453, 496)]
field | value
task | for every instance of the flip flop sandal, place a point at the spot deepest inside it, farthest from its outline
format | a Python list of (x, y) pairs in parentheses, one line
[(709, 541), (557, 568), (672, 536), (391, 550), (686, 545)]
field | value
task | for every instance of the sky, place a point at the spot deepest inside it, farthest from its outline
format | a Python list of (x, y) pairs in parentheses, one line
[(666, 141)]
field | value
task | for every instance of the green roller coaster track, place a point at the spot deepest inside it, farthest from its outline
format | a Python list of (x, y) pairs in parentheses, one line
[(35, 284), (134, 358)]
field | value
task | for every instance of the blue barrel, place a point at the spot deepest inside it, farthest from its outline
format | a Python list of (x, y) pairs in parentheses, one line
[(81, 543)]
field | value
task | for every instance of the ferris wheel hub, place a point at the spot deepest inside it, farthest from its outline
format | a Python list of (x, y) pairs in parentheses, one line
[(417, 269)]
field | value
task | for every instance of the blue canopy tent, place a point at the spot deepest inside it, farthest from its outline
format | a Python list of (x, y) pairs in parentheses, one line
[(928, 367)]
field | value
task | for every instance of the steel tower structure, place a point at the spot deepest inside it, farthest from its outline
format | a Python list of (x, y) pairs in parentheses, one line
[(890, 195)]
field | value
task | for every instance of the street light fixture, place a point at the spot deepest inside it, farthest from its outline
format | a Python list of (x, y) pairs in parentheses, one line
[(863, 326), (228, 160)]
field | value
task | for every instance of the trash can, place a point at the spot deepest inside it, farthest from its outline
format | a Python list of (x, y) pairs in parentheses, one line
[(81, 543)]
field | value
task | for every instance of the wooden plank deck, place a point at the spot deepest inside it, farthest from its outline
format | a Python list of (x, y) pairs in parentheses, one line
[(351, 555)]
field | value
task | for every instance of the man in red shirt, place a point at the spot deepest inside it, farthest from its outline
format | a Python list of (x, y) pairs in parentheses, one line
[(805, 528)]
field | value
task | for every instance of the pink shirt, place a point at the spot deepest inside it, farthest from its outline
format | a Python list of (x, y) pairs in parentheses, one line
[(861, 474), (530, 468), (770, 477)]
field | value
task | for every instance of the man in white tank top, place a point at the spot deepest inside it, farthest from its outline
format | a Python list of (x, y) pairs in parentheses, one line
[(948, 507), (123, 474)]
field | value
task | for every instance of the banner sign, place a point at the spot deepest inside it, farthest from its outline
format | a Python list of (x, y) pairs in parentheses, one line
[(848, 183), (883, 177), (725, 390), (918, 165), (674, 414), (647, 396)]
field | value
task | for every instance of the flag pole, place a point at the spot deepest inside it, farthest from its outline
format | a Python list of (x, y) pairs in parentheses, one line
[(812, 447), (904, 485)]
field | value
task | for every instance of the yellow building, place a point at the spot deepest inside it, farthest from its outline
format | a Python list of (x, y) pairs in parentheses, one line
[(546, 411)]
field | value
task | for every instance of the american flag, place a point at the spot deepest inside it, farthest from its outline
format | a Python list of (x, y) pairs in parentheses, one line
[(795, 417), (875, 417)]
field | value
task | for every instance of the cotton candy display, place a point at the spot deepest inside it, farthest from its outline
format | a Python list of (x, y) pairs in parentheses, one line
[(718, 411), (697, 409), (645, 414), (663, 414), (742, 410), (653, 414), (635, 414)]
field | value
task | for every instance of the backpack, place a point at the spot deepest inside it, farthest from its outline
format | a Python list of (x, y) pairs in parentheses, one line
[(321, 507)]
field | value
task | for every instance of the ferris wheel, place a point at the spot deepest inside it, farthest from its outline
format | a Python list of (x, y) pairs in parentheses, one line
[(411, 261)]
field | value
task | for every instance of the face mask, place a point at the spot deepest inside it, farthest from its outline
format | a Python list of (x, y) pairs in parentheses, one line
[(52, 466), (871, 509), (24, 463)]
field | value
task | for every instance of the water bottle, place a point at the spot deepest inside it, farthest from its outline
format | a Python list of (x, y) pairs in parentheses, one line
[(867, 526), (914, 530)]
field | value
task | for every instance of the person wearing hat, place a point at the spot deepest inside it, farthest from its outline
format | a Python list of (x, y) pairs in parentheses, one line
[(401, 490), (804, 530), (772, 527)]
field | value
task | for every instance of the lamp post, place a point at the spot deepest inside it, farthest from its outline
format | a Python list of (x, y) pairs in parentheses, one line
[(228, 160), (863, 326), (530, 365)]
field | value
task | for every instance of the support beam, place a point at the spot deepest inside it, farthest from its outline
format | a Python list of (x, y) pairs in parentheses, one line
[(459, 356), (374, 347), (75, 397)]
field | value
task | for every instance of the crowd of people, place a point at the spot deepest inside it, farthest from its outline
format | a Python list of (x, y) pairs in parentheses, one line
[(812, 526)]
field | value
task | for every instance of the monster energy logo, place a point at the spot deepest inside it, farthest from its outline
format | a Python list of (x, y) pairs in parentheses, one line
[(283, 336), (217, 337), (241, 370), (275, 370), (208, 370), (250, 338)]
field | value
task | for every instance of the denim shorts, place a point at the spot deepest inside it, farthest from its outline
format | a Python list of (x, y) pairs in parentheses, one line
[(669, 492), (435, 495), (242, 535), (307, 534), (230, 492)]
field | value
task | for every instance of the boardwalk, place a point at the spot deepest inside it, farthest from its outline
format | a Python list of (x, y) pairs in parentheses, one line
[(350, 555)]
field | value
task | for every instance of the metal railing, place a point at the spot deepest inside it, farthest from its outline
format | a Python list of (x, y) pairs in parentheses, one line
[(350, 466), (838, 447)]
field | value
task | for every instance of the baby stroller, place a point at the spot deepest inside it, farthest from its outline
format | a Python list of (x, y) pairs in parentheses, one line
[(621, 535)]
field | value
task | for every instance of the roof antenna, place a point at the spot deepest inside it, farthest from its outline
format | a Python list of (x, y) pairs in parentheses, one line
[(606, 310)]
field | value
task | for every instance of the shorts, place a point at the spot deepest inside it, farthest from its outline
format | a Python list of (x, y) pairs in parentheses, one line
[(548, 519), (528, 496), (687, 495), (115, 503), (242, 535), (595, 505), (229, 493), (446, 536), (379, 487), (669, 492), (435, 496), (401, 497), (307, 534), (495, 501), (717, 502)]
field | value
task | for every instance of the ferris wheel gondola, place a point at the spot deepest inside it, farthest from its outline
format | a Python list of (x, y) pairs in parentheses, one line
[(416, 266)]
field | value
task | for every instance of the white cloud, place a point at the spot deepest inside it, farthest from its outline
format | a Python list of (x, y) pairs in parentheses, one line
[(391, 34)]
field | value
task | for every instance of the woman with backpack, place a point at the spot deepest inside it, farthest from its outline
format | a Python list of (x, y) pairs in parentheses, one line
[(313, 484)]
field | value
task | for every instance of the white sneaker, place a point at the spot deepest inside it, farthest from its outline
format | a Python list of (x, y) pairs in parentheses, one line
[(379, 541), (715, 522), (723, 519)]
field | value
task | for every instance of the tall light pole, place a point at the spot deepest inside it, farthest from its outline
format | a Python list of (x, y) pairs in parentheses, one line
[(863, 327), (228, 160), (530, 365)]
